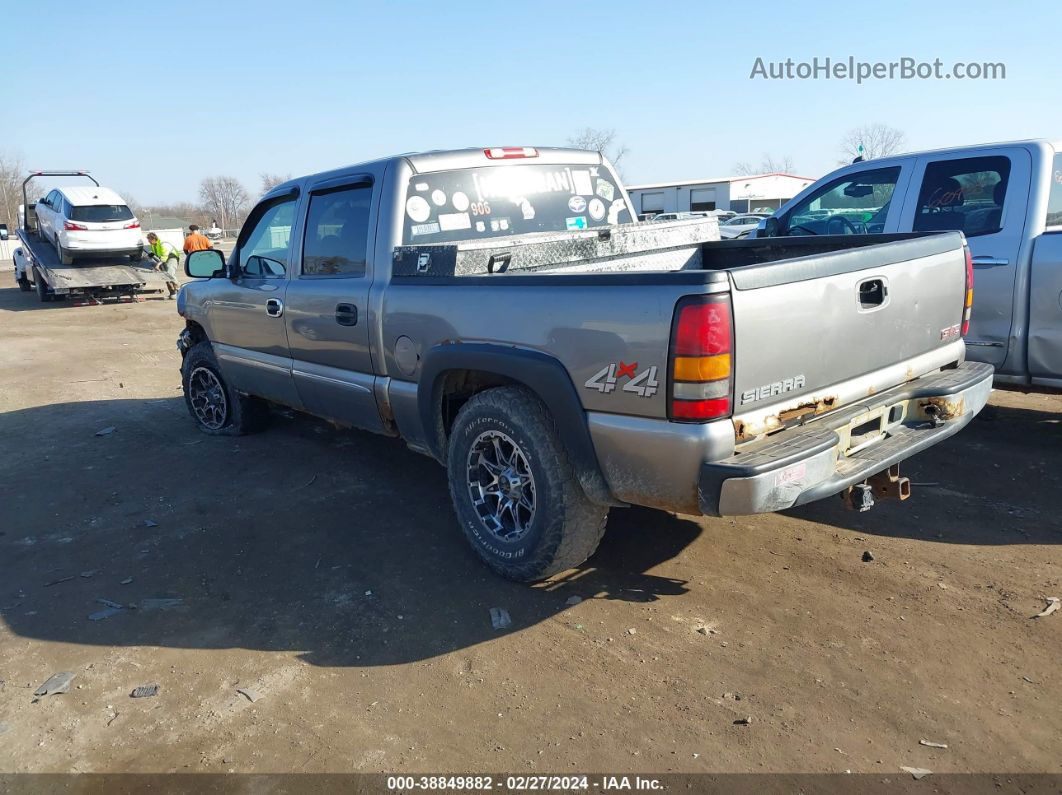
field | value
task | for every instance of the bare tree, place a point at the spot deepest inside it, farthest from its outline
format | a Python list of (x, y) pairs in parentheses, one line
[(768, 165), (225, 199), (871, 141), (270, 181), (603, 141), (12, 172)]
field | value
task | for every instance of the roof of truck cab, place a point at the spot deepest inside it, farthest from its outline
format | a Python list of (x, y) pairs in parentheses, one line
[(81, 196), (448, 159)]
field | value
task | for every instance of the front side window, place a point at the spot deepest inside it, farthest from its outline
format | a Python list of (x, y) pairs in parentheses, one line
[(264, 251), (498, 201), (965, 195), (337, 231), (100, 213), (857, 204), (1054, 198)]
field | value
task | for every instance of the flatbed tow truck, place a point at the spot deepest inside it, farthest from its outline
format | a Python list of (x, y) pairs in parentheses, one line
[(37, 264)]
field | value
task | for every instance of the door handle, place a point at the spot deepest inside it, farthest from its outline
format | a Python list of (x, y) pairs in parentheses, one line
[(346, 314), (274, 307), (990, 262)]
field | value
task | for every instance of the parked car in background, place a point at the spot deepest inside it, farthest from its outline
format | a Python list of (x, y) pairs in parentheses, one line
[(559, 363), (739, 225), (89, 222), (679, 216), (1005, 198)]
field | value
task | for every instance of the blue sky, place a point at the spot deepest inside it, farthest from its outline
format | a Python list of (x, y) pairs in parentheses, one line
[(154, 96)]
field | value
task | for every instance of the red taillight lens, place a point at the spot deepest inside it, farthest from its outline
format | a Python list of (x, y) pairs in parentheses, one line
[(967, 306), (510, 152), (70, 226), (132, 225), (701, 359)]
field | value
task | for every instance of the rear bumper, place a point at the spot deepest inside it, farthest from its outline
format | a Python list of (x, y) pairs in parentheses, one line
[(809, 462)]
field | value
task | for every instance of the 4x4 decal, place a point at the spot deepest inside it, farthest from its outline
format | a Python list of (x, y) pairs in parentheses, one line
[(643, 384)]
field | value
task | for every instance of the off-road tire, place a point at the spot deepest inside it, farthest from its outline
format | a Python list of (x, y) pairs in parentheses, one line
[(244, 414), (42, 288), (566, 527)]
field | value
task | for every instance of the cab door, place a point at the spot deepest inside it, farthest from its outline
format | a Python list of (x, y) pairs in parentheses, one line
[(327, 302), (986, 197), (246, 311)]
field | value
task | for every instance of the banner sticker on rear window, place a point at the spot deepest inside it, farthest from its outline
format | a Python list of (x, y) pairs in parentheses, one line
[(577, 222), (424, 229), (583, 186), (597, 209), (451, 221), (605, 190), (577, 204)]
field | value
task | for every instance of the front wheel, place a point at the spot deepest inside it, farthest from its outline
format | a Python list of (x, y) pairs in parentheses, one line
[(514, 489), (217, 408)]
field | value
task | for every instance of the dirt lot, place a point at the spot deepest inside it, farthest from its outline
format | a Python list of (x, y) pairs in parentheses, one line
[(323, 570)]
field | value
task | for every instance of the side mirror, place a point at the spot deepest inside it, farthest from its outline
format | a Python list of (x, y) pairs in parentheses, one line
[(768, 226), (4, 235), (205, 264)]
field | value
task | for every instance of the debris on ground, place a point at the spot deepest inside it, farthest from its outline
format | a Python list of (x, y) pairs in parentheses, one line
[(917, 773), (90, 573), (868, 556), (250, 695), (732, 696), (56, 582), (5, 727), (106, 612), (161, 603), (573, 600), (55, 684), (145, 691), (105, 431), (743, 721), (930, 744), (109, 603), (126, 581), (632, 631), (499, 618), (1052, 606), (150, 523)]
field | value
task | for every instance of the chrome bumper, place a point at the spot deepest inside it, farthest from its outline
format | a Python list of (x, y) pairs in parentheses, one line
[(812, 461)]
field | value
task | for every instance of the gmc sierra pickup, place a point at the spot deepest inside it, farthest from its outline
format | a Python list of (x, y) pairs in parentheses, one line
[(501, 311)]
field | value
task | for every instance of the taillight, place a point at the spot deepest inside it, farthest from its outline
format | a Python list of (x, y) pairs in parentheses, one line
[(510, 152), (132, 225), (70, 226), (967, 306), (702, 365)]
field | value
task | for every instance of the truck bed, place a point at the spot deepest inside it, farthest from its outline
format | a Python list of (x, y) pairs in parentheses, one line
[(97, 275)]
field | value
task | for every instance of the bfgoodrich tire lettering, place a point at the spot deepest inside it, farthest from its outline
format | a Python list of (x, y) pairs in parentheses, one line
[(217, 408), (557, 527)]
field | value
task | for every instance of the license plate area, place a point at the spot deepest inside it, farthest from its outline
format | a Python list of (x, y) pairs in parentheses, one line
[(865, 430)]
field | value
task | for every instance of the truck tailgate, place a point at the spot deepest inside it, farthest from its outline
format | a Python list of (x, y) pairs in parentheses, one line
[(816, 333)]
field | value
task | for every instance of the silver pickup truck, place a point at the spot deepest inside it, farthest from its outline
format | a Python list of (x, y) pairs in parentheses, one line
[(1006, 198), (501, 311)]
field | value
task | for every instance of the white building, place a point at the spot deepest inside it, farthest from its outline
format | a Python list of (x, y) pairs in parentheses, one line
[(755, 193)]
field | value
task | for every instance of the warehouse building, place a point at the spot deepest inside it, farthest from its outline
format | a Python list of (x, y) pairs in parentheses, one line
[(755, 193)]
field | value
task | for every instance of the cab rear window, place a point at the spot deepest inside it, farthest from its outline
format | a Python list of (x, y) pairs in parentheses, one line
[(1054, 198), (101, 213), (495, 201)]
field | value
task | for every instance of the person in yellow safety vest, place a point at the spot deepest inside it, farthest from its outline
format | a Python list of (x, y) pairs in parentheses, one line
[(167, 258)]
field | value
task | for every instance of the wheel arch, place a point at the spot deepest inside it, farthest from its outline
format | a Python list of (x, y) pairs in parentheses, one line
[(453, 373)]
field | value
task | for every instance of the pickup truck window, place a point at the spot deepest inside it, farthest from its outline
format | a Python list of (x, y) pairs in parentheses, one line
[(965, 195), (1054, 198), (497, 201), (264, 253), (337, 230), (850, 205)]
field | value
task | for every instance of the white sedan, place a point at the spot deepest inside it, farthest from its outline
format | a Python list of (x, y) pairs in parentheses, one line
[(739, 225), (89, 222)]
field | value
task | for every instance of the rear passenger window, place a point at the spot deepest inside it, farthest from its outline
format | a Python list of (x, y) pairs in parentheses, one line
[(337, 232), (1054, 197), (964, 195)]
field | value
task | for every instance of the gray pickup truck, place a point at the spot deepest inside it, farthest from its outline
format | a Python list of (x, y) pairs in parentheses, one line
[(501, 311)]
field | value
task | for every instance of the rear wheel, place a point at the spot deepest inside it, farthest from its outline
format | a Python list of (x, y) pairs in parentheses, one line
[(23, 283), (42, 288), (64, 255), (515, 491), (217, 408)]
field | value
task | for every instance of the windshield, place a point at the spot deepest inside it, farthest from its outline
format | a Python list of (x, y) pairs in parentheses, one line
[(495, 201), (101, 213)]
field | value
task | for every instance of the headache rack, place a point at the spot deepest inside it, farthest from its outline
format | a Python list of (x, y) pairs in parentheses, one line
[(644, 246)]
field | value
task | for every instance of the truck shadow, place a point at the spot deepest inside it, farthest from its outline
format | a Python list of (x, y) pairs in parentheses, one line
[(998, 481), (13, 299), (339, 545)]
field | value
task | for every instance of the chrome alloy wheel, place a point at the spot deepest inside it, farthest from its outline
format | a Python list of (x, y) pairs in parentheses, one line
[(501, 486), (207, 397)]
